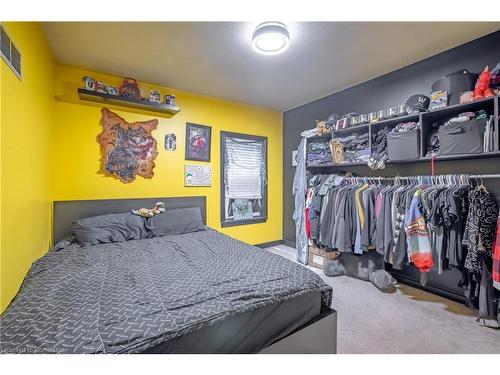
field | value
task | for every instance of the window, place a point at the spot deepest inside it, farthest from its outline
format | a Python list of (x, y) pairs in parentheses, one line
[(243, 179)]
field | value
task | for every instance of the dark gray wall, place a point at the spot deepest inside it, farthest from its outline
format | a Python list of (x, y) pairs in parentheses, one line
[(380, 93)]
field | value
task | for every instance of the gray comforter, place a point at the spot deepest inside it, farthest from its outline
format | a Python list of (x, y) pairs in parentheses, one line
[(131, 296)]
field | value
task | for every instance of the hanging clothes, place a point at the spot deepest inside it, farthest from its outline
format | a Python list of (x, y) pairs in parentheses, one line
[(299, 214), (480, 228), (419, 244), (496, 258)]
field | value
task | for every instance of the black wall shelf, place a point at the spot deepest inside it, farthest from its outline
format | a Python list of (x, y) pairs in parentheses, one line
[(427, 120), (124, 101)]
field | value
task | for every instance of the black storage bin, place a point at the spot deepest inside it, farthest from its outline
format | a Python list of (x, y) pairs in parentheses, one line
[(404, 146), (462, 137), (455, 84)]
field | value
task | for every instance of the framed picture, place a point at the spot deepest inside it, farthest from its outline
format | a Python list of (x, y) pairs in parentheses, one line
[(170, 142), (198, 175), (198, 139)]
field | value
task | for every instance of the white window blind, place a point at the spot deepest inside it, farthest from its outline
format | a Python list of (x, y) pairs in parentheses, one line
[(244, 168)]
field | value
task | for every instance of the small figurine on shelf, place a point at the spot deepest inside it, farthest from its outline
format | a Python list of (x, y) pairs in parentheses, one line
[(130, 88), (101, 87), (155, 96), (112, 90), (321, 127), (170, 100), (88, 83), (482, 89)]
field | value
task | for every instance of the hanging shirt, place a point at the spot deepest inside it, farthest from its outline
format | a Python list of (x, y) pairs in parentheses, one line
[(299, 215), (496, 258), (419, 245), (480, 228)]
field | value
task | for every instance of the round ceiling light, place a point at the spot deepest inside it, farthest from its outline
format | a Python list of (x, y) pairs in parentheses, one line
[(270, 38)]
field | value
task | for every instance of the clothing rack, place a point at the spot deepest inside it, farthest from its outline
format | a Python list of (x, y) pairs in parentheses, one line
[(410, 275), (421, 178)]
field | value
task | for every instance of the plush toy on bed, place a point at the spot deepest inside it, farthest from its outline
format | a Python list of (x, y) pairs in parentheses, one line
[(150, 212), (368, 267)]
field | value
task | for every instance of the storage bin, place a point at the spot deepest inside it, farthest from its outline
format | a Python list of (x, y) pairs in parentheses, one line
[(462, 137), (317, 256), (403, 146)]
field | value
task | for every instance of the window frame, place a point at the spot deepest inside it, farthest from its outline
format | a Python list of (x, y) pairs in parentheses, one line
[(259, 219)]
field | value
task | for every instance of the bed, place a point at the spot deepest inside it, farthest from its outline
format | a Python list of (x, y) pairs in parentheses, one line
[(201, 292)]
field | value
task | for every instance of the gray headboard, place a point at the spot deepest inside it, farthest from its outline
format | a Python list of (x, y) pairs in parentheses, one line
[(65, 212)]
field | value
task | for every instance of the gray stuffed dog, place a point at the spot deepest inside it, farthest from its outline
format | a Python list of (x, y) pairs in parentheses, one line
[(369, 267)]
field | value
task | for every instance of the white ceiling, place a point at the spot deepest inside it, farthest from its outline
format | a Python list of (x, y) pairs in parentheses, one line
[(216, 58)]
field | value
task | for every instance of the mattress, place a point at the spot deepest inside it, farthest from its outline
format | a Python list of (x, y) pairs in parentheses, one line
[(153, 295)]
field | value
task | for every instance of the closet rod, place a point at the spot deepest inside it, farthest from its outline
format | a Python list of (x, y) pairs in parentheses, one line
[(452, 174)]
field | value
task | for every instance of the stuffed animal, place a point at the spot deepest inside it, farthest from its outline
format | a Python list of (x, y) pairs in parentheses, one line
[(495, 78), (322, 127), (150, 212), (368, 267), (482, 89)]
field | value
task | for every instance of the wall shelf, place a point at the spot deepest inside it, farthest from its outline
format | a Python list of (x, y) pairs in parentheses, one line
[(427, 120), (362, 127), (124, 101)]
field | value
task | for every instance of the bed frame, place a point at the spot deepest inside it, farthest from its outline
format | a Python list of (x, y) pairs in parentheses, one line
[(318, 336)]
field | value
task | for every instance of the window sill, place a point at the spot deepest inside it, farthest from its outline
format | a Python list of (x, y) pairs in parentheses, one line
[(234, 223)]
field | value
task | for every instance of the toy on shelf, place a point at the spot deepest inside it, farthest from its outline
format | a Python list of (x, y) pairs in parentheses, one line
[(155, 96), (130, 88), (322, 127), (495, 80), (101, 87), (112, 90), (88, 83), (482, 88)]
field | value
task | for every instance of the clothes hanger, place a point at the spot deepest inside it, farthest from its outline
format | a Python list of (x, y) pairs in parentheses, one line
[(482, 187)]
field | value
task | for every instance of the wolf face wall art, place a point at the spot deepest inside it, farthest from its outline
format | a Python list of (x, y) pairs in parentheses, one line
[(127, 149)]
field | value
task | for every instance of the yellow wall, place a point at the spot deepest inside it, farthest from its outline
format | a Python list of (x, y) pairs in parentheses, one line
[(76, 155), (49, 151), (26, 121)]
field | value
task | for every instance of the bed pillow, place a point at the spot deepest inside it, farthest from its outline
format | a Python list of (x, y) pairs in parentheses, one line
[(177, 221), (110, 228)]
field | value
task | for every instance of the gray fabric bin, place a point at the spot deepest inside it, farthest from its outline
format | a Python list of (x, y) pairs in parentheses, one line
[(462, 137), (404, 146)]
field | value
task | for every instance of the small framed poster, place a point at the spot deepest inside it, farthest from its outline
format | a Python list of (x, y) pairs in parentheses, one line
[(198, 139), (198, 175), (170, 142)]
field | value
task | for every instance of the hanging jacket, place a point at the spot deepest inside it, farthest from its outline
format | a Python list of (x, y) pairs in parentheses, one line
[(480, 228), (419, 244), (299, 214), (496, 258)]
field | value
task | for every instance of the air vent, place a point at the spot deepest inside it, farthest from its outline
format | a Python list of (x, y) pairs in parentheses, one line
[(15, 59), (5, 44), (10, 54)]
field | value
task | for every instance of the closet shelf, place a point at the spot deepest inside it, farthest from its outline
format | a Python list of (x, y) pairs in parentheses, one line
[(396, 120), (124, 101), (330, 165), (352, 129), (483, 155), (452, 110), (428, 120), (319, 137)]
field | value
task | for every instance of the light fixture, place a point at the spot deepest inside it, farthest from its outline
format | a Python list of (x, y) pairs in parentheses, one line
[(270, 38)]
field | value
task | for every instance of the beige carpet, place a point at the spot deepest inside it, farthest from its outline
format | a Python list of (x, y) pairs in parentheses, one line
[(408, 321)]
